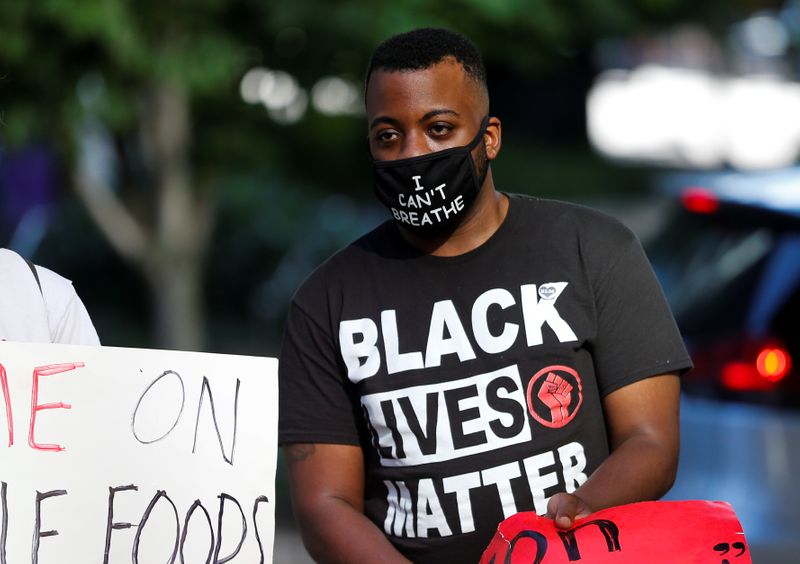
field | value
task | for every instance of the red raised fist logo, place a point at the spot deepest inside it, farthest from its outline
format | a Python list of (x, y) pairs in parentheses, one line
[(555, 394)]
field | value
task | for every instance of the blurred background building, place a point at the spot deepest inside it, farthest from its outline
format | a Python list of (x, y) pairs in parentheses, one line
[(187, 164)]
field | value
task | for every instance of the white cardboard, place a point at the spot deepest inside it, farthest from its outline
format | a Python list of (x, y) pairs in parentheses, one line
[(134, 421)]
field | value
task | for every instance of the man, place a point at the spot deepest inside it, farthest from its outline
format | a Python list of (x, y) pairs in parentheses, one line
[(481, 354), (38, 305)]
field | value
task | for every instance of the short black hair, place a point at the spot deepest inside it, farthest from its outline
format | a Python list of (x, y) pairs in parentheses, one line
[(422, 48)]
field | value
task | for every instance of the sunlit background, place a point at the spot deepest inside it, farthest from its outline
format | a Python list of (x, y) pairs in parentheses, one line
[(186, 164)]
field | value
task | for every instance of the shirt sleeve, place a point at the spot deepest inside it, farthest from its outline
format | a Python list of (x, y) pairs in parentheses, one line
[(67, 316), (316, 404), (637, 336)]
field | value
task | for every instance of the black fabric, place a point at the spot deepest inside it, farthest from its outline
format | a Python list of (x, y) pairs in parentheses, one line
[(473, 383), (431, 192)]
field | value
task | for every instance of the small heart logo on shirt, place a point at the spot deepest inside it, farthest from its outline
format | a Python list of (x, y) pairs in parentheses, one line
[(547, 292)]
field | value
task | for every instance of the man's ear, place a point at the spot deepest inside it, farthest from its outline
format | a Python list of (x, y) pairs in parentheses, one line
[(493, 138)]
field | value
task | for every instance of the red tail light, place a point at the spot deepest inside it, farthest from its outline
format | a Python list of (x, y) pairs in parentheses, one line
[(771, 365), (699, 200)]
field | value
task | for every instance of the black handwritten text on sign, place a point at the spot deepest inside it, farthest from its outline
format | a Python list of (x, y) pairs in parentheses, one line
[(117, 471)]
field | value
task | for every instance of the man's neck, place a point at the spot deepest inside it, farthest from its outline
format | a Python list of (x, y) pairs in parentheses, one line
[(485, 217)]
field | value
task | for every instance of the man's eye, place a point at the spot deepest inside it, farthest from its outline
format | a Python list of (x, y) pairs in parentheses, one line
[(385, 136), (440, 129)]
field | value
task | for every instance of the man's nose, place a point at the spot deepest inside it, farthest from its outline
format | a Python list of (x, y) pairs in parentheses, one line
[(415, 143)]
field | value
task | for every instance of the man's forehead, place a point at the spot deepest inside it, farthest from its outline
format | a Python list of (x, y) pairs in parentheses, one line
[(443, 72), (445, 84)]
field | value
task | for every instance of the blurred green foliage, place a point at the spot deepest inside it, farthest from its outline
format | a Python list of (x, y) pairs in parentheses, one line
[(63, 62), (52, 47)]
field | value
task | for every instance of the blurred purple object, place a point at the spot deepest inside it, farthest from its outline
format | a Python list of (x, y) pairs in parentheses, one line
[(28, 179)]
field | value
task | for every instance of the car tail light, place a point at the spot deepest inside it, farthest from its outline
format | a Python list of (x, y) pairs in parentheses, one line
[(699, 200), (769, 366), (773, 364), (758, 368)]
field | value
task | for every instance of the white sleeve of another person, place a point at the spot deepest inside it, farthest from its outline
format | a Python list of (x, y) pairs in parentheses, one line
[(67, 316)]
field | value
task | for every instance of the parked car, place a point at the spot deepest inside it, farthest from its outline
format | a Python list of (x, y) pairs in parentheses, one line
[(729, 262)]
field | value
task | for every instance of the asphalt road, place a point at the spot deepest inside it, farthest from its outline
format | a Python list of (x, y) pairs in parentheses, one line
[(289, 548)]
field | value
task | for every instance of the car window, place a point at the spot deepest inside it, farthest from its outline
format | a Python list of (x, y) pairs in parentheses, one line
[(778, 287), (709, 271)]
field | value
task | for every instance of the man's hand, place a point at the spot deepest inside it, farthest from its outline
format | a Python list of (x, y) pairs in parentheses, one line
[(564, 509), (643, 430)]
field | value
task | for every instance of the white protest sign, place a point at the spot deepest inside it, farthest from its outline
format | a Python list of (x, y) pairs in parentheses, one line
[(112, 455)]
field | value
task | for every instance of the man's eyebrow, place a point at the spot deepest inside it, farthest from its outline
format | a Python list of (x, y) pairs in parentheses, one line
[(428, 115), (438, 112), (382, 119)]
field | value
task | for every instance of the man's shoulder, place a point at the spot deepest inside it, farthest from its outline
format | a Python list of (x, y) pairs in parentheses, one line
[(564, 217)]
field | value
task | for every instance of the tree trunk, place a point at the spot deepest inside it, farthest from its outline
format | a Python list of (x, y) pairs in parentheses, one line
[(170, 252), (182, 224), (177, 299)]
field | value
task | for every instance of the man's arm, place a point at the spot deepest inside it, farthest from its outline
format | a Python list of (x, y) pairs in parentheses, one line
[(644, 433), (327, 489)]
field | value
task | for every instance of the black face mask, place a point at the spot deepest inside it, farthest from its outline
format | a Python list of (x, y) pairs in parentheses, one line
[(432, 192)]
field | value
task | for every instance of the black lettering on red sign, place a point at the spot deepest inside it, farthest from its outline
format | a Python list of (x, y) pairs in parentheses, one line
[(608, 528)]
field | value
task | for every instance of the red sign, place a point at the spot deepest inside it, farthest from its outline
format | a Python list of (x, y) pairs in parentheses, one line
[(668, 532)]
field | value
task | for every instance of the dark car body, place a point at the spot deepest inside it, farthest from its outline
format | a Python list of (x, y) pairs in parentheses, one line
[(729, 262)]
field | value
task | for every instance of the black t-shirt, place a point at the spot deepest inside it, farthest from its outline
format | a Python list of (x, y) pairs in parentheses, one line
[(473, 383)]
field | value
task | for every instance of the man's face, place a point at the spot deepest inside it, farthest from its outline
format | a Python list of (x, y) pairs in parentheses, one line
[(418, 112)]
